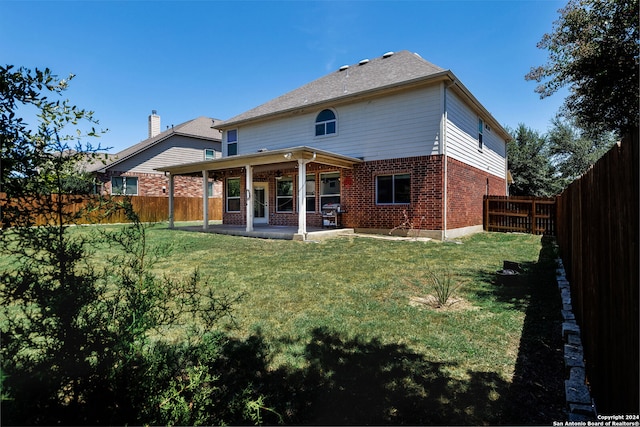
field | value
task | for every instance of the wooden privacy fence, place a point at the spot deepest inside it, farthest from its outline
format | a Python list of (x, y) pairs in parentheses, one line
[(149, 209), (156, 209), (533, 215), (598, 238)]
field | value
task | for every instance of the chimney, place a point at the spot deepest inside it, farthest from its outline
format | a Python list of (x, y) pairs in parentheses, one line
[(154, 124)]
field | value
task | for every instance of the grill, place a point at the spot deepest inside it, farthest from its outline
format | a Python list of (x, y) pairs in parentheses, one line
[(331, 215)]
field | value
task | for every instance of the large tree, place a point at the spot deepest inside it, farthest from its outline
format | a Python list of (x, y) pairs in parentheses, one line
[(573, 150), (594, 50), (530, 165)]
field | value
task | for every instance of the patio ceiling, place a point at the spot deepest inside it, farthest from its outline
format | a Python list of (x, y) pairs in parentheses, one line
[(280, 156)]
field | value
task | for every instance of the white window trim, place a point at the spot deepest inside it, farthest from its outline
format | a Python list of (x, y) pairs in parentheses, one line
[(125, 186), (232, 142), (315, 192), (321, 194), (207, 151), (293, 207), (325, 135), (227, 197)]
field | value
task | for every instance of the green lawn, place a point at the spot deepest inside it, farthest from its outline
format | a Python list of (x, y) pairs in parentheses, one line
[(329, 333), (342, 342)]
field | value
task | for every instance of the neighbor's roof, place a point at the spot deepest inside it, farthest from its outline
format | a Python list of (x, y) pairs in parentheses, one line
[(392, 71), (386, 71), (201, 128)]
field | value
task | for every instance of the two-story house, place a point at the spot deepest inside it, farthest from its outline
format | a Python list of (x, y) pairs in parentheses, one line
[(133, 172), (381, 139)]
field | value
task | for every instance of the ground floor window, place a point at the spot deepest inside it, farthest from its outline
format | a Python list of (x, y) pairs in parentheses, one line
[(125, 185), (329, 188), (233, 195), (311, 193), (284, 194), (393, 189)]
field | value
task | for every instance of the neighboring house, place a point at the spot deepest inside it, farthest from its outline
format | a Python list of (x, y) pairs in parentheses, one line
[(385, 137), (133, 170)]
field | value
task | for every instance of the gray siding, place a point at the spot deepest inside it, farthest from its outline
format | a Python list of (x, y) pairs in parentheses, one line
[(400, 125), (462, 139), (174, 150)]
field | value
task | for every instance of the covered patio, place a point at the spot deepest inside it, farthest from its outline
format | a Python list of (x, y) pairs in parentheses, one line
[(264, 161)]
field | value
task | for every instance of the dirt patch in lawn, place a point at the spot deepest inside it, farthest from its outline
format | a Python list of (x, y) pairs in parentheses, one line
[(431, 302)]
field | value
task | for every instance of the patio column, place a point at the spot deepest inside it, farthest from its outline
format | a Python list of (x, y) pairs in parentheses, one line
[(302, 198), (171, 201), (249, 196), (205, 200)]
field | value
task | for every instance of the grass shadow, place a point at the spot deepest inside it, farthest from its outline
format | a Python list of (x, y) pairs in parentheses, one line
[(347, 380), (539, 372), (357, 382)]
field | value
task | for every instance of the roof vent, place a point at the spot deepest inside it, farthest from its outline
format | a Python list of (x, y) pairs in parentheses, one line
[(388, 54), (364, 61), (417, 54), (344, 67)]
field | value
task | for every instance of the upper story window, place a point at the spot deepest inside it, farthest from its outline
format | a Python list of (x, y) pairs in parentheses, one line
[(480, 132), (209, 154), (232, 142), (326, 123)]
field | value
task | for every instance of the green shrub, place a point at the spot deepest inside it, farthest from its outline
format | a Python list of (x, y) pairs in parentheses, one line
[(444, 284)]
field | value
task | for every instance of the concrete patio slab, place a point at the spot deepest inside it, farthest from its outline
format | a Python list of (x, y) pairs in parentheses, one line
[(269, 231)]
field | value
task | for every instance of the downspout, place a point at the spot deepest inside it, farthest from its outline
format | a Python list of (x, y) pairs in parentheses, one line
[(506, 168)]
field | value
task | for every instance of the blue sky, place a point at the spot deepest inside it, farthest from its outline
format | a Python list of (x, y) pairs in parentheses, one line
[(217, 58)]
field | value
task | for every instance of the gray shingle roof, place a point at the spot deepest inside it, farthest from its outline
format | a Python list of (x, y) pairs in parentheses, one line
[(377, 74), (197, 128)]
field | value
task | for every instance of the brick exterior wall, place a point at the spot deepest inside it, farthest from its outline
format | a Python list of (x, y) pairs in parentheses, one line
[(425, 209), (466, 187), (157, 185), (314, 219)]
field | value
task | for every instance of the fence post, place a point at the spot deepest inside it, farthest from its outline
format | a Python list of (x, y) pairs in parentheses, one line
[(486, 213), (533, 217)]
